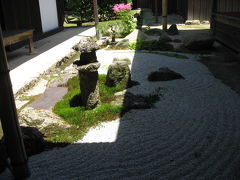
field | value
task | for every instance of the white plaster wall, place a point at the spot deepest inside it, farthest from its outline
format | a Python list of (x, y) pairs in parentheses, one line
[(49, 18)]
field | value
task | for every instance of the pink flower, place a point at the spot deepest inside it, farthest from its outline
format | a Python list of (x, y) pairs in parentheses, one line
[(122, 7)]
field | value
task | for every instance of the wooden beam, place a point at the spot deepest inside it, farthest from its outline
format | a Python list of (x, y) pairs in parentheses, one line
[(164, 14), (9, 120)]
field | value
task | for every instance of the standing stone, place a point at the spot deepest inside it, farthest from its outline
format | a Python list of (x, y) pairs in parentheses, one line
[(89, 87), (87, 68), (118, 75), (88, 52), (164, 74), (173, 30), (199, 41)]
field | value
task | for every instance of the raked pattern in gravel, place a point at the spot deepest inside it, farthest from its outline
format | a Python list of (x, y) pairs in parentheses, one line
[(192, 133)]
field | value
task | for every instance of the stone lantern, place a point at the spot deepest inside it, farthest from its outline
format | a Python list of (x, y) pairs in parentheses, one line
[(87, 67)]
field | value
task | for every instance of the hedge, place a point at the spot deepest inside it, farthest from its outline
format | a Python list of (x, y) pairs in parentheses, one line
[(84, 9)]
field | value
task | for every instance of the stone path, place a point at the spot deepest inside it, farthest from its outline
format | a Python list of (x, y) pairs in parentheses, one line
[(192, 133)]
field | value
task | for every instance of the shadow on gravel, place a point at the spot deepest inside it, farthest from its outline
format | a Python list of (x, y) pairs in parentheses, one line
[(176, 141)]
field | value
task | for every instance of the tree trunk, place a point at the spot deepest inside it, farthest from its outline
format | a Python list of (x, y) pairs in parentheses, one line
[(164, 14), (156, 11), (95, 11)]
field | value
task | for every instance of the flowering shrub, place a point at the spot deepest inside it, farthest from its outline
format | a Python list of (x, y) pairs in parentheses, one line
[(122, 7), (123, 11)]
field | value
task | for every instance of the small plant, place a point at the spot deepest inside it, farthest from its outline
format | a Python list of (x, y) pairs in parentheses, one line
[(123, 12), (119, 26), (152, 45)]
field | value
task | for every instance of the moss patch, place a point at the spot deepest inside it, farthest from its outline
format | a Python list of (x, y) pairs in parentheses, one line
[(152, 45), (80, 118)]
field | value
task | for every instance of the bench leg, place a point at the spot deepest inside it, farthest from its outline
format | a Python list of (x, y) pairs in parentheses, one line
[(31, 47)]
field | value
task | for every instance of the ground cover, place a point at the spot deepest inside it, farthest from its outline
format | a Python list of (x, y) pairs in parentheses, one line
[(80, 118)]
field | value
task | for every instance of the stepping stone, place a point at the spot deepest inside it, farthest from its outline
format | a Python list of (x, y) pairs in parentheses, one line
[(50, 97)]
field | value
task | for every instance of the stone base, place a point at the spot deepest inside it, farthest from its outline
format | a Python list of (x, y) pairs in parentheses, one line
[(89, 87)]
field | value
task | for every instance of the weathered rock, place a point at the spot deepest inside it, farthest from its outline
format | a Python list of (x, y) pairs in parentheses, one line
[(86, 46), (131, 101), (88, 52), (154, 32), (173, 30), (192, 22), (165, 38), (164, 74), (40, 118), (118, 75), (33, 140), (88, 75), (104, 41), (119, 59), (199, 41), (205, 22), (122, 43)]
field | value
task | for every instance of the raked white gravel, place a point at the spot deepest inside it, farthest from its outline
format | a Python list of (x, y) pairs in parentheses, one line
[(192, 133)]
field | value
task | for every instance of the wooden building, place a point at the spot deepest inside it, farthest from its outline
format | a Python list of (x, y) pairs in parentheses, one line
[(188, 9), (226, 23), (45, 17)]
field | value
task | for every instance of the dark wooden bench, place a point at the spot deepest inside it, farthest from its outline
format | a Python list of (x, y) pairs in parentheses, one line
[(12, 37)]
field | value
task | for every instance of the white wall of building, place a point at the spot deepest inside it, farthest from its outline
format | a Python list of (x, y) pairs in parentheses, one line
[(49, 15)]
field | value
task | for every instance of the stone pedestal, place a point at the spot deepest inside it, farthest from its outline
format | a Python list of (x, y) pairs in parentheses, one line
[(87, 68), (88, 74)]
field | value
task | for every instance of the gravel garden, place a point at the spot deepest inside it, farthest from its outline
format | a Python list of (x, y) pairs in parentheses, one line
[(137, 102)]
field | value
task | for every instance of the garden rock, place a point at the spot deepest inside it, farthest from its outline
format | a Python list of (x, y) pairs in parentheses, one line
[(130, 101), (124, 60), (164, 37), (199, 41), (118, 75), (164, 74), (40, 118), (88, 75), (122, 43), (192, 22), (87, 48), (154, 32), (33, 140), (173, 30)]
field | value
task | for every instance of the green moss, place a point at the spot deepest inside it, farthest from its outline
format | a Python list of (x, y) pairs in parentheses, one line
[(86, 118), (152, 45)]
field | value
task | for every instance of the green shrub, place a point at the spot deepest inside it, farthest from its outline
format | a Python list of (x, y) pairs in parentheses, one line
[(152, 45), (83, 9), (119, 25)]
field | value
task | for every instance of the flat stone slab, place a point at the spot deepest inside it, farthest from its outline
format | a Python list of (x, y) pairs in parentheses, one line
[(50, 97)]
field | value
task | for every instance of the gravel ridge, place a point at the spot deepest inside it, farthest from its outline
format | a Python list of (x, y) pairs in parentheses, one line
[(192, 133)]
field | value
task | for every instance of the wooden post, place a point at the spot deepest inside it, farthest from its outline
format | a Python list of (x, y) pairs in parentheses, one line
[(156, 10), (95, 12), (10, 125), (164, 14)]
